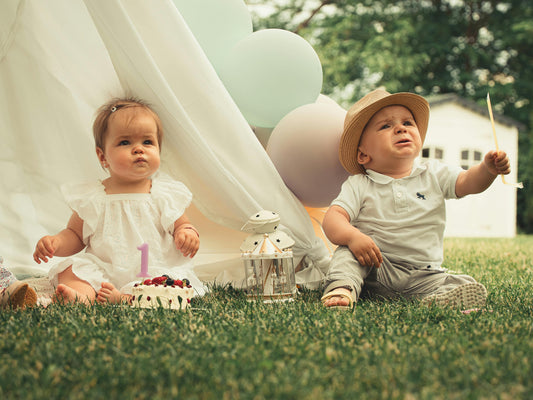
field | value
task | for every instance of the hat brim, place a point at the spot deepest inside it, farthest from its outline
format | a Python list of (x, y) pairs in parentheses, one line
[(355, 123)]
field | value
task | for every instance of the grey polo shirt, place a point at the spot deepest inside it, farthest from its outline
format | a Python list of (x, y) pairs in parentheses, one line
[(405, 217)]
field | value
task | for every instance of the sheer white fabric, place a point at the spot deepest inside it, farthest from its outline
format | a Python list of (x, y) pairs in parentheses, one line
[(61, 59)]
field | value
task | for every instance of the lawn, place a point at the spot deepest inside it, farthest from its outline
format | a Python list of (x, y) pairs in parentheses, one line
[(227, 348)]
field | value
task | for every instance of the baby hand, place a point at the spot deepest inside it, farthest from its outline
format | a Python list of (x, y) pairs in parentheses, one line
[(45, 248), (497, 163), (365, 251), (187, 241)]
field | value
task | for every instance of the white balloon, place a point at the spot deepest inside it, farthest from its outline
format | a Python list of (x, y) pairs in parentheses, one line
[(304, 147), (322, 98)]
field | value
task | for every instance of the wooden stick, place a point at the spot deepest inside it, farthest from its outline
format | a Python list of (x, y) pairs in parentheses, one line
[(518, 185)]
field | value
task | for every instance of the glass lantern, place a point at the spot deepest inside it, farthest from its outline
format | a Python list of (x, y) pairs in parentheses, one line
[(268, 261)]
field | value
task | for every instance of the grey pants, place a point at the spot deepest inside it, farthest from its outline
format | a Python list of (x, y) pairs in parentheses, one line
[(389, 280)]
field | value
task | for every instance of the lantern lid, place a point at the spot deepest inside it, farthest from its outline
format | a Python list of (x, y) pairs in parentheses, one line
[(264, 224), (263, 221), (278, 238), (263, 247)]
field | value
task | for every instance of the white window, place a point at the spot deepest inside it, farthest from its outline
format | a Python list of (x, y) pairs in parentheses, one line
[(470, 158), (433, 152)]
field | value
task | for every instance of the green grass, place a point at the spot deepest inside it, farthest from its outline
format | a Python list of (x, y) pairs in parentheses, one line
[(230, 349)]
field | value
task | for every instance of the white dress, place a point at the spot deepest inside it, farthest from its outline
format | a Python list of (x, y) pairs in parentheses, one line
[(115, 225)]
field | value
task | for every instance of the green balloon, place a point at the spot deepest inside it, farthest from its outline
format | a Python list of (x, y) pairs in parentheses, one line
[(269, 73), (217, 25)]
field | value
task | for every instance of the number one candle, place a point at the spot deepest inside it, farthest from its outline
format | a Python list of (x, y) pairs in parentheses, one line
[(144, 260)]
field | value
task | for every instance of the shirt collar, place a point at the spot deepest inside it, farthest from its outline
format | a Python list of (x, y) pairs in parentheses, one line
[(418, 168)]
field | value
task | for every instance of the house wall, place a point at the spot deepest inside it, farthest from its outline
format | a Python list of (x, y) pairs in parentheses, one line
[(492, 213)]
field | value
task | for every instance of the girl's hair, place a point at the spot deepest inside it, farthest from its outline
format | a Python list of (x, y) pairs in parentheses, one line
[(105, 112)]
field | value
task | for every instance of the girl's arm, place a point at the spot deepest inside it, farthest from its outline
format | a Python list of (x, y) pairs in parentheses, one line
[(479, 177), (339, 231), (186, 237), (65, 243)]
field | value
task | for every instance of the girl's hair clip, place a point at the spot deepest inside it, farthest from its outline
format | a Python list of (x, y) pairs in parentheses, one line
[(118, 106)]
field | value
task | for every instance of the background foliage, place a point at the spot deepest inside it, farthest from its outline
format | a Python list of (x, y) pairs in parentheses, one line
[(467, 47)]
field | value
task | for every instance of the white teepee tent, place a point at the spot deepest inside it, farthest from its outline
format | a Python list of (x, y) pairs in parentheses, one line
[(61, 59)]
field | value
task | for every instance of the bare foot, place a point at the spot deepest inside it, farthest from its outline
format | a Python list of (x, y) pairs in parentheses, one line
[(338, 300), (65, 294), (108, 293)]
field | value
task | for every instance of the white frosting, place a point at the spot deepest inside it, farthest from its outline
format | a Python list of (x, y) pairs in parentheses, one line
[(152, 296)]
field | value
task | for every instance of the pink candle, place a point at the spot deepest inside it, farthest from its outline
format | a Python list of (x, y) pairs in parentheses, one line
[(144, 260)]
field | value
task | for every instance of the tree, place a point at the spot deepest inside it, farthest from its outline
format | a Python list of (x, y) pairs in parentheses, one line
[(468, 47)]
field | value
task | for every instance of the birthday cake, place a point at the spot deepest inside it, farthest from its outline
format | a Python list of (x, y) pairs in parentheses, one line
[(162, 291)]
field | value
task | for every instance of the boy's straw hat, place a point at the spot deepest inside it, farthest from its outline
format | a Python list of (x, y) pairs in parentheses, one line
[(361, 112)]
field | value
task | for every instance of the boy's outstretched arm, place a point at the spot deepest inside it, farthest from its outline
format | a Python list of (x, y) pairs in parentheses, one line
[(339, 231), (479, 177)]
